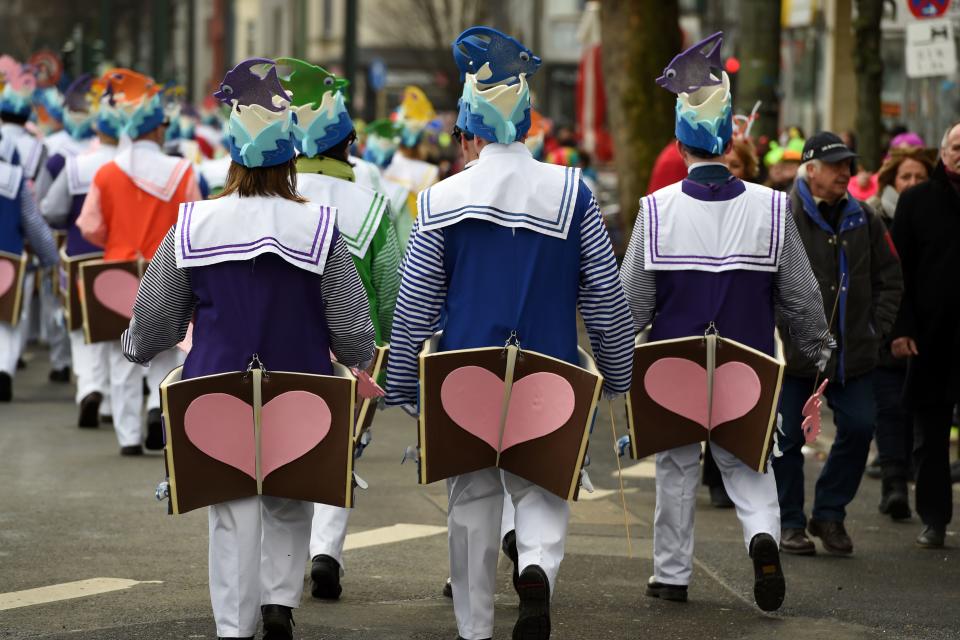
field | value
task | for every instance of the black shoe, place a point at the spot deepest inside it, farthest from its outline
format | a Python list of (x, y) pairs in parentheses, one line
[(769, 587), (154, 440), (719, 498), (448, 589), (60, 375), (106, 419), (894, 500), (132, 450), (6, 387), (672, 592), (873, 469), (325, 578), (509, 547), (277, 622), (89, 417), (932, 537), (21, 364), (832, 535), (796, 542), (533, 623)]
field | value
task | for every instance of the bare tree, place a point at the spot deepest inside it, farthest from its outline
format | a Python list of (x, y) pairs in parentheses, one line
[(639, 39), (869, 67)]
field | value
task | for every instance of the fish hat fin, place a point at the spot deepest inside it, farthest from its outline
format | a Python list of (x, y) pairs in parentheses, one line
[(710, 47)]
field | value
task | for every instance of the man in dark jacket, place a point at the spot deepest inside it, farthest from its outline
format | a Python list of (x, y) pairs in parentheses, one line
[(926, 231), (850, 250)]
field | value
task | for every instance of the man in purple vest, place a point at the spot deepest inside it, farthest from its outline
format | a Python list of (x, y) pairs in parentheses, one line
[(713, 251)]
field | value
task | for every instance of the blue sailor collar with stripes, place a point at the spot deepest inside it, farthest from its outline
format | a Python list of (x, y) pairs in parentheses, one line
[(233, 228), (507, 187)]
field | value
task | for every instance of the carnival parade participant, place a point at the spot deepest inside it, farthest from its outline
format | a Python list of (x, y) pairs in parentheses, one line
[(17, 145), (382, 139), (739, 296), (323, 134), (86, 107), (462, 268), (261, 300), (130, 205)]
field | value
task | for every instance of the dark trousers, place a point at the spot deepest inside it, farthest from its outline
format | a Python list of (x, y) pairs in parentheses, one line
[(894, 422), (854, 412), (931, 455)]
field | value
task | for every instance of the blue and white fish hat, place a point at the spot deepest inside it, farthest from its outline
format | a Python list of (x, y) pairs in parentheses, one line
[(49, 103), (136, 97), (320, 118), (78, 108), (260, 132), (19, 84), (704, 111), (508, 58)]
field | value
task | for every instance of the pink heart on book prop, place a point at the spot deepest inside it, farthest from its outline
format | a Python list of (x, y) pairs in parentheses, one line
[(540, 403), (116, 289), (292, 424), (8, 273), (680, 386)]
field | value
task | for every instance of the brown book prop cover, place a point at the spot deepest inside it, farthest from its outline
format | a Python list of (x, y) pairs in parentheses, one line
[(68, 286), (241, 434), (521, 411), (108, 290), (13, 267), (367, 407), (704, 388)]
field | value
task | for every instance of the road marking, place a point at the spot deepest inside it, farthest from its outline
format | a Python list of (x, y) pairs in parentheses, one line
[(67, 591), (643, 469), (599, 494), (388, 535)]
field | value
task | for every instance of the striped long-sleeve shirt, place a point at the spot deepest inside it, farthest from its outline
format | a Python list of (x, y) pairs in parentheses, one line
[(35, 229), (797, 299), (165, 302), (423, 292)]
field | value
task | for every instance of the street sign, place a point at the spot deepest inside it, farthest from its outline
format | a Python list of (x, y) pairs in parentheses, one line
[(928, 8), (931, 50), (377, 74)]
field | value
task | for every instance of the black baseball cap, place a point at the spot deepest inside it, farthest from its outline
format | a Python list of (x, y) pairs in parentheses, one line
[(827, 147)]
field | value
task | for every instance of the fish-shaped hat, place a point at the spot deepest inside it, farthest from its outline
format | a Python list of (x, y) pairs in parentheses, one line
[(110, 120), (382, 139), (48, 107), (137, 99), (414, 114), (19, 84), (259, 129), (536, 135), (704, 112), (320, 118), (78, 108), (506, 58)]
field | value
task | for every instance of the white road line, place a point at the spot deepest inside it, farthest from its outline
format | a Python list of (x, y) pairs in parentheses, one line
[(387, 535), (643, 469), (66, 591), (600, 494)]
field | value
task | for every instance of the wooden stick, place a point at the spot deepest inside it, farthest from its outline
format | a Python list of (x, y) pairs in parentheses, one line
[(623, 497)]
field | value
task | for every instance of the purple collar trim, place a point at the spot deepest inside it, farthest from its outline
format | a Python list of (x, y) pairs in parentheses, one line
[(713, 192)]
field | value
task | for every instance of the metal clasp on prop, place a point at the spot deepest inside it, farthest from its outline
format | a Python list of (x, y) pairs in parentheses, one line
[(256, 363), (513, 341)]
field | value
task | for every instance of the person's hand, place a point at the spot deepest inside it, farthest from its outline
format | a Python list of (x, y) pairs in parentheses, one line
[(904, 347)]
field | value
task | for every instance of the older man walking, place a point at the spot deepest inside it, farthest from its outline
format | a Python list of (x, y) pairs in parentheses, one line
[(926, 231), (856, 266)]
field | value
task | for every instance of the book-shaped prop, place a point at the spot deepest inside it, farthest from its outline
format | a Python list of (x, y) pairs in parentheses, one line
[(13, 268), (522, 411), (367, 406), (68, 286), (107, 291), (704, 388), (241, 434)]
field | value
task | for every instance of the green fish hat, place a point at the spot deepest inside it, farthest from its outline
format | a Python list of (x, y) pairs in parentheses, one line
[(320, 114)]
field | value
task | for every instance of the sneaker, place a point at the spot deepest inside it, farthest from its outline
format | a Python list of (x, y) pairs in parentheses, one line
[(277, 622), (509, 547), (448, 589), (6, 387), (719, 498), (60, 375), (154, 441), (672, 592), (832, 535), (769, 586), (132, 450), (796, 542), (932, 537), (533, 623), (325, 578), (90, 411)]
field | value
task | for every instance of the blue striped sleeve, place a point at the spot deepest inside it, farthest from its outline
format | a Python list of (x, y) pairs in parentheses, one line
[(35, 228), (602, 303)]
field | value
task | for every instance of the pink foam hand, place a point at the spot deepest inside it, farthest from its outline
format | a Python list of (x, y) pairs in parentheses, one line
[(680, 386), (116, 289), (367, 387), (221, 426), (8, 274), (187, 343), (291, 424), (811, 414)]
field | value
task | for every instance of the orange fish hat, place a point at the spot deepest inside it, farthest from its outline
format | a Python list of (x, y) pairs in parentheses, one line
[(135, 97)]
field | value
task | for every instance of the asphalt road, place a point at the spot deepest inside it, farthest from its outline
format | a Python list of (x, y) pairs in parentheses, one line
[(71, 509)]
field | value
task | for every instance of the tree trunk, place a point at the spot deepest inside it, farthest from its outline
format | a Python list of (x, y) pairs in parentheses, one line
[(639, 39), (869, 67), (759, 75)]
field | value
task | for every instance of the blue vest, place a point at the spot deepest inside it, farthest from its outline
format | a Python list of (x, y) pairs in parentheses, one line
[(11, 233)]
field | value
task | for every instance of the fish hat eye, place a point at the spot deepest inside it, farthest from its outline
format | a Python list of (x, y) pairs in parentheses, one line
[(328, 81), (671, 73), (524, 56), (227, 89)]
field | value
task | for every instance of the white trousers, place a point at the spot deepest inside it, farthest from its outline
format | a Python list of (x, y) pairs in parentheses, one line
[(55, 330), (126, 396), (160, 366), (257, 547), (474, 520), (9, 348), (678, 476), (328, 532), (91, 365), (25, 326)]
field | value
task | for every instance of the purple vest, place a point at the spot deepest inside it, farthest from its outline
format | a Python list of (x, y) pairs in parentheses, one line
[(264, 306)]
